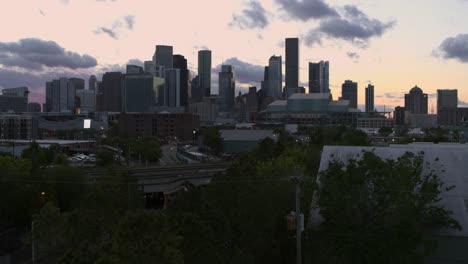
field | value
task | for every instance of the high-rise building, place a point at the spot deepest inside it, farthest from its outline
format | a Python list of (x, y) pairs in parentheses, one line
[(416, 101), (275, 76), (447, 99), (292, 62), (86, 101), (370, 98), (163, 56), (63, 103), (349, 91), (74, 84), (92, 83), (172, 88), (18, 91), (34, 107), (149, 67), (48, 98), (137, 93), (181, 63), (55, 96), (112, 92), (197, 93), (319, 77), (227, 86), (204, 71), (134, 69), (447, 103), (14, 99)]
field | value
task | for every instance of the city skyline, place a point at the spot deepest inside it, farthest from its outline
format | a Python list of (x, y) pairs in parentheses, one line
[(388, 46)]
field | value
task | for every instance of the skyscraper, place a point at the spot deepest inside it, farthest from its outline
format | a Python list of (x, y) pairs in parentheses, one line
[(275, 76), (92, 83), (292, 62), (349, 91), (416, 101), (319, 77), (197, 93), (137, 92), (227, 86), (163, 56), (48, 97), (447, 99), (370, 98), (204, 71), (172, 88), (74, 84), (112, 92), (55, 96), (149, 67), (63, 103), (181, 63)]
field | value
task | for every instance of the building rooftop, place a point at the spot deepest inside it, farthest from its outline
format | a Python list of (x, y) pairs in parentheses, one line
[(315, 96), (246, 135), (340, 102), (416, 89), (278, 103), (448, 160)]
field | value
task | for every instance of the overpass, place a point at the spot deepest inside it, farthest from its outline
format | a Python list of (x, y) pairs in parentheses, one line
[(169, 179)]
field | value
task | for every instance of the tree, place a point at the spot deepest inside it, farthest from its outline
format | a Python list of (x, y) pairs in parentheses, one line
[(144, 237), (378, 211), (385, 131), (213, 139), (105, 157), (147, 149)]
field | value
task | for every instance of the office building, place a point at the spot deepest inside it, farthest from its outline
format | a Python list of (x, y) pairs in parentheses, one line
[(158, 91), (18, 91), (137, 93), (319, 77), (275, 77), (349, 91), (196, 93), (15, 104), (55, 96), (204, 71), (134, 69), (399, 116), (63, 103), (292, 62), (227, 86), (18, 126), (172, 88), (416, 101), (181, 63), (92, 83), (34, 107), (85, 101), (288, 91), (163, 56), (149, 67), (447, 99), (112, 92), (73, 85), (370, 98)]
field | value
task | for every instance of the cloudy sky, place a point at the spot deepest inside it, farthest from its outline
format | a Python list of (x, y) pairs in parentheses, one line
[(393, 44)]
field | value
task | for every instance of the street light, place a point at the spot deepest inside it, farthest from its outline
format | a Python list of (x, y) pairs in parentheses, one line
[(194, 137)]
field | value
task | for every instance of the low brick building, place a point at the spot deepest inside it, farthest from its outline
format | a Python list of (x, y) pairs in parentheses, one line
[(162, 125)]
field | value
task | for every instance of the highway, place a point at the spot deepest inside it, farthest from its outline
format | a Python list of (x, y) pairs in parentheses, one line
[(168, 179)]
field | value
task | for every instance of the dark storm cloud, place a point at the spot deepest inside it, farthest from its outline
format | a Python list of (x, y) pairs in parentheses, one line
[(246, 73), (353, 25), (353, 55), (307, 9), (254, 16), (454, 48), (32, 53), (129, 20)]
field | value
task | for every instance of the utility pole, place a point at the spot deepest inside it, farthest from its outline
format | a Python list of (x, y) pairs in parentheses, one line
[(298, 180)]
